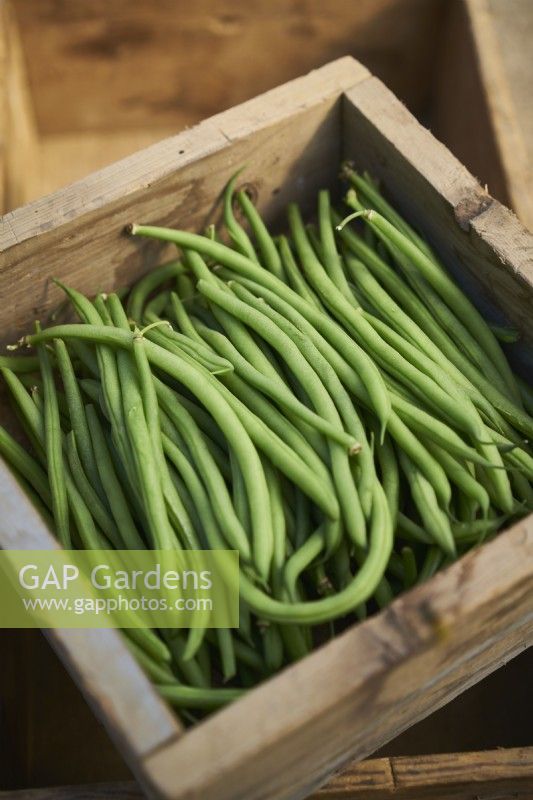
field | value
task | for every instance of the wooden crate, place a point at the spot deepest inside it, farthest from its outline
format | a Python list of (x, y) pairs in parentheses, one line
[(380, 677), (70, 751), (70, 104), (492, 774), (88, 82), (484, 85)]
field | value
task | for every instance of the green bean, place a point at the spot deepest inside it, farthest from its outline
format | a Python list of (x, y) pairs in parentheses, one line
[(190, 669), (218, 492), (160, 673), (339, 357), (229, 258), (331, 259), (460, 476), (182, 318), (90, 537), (348, 599), (239, 498), (118, 504), (194, 697), (277, 391), (411, 531), (381, 531), (522, 489), (145, 464), (237, 346), (436, 342), (385, 355), (448, 290), (25, 465), (272, 646), (146, 285), (260, 406), (20, 364), (197, 350), (348, 496), (78, 420), (383, 594), (374, 199), (281, 455), (111, 391), (433, 560), (451, 325), (238, 235), (329, 425), (88, 493), (294, 275), (288, 349), (227, 653), (301, 559), (269, 255), (390, 476), (53, 450), (434, 519), (526, 393), (409, 567), (476, 531)]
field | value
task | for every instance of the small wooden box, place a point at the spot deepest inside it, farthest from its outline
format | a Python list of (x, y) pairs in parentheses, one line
[(378, 678), (85, 83), (484, 107)]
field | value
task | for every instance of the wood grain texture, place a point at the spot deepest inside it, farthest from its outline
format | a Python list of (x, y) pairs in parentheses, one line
[(509, 773), (103, 667), (498, 774), (459, 115), (502, 36), (293, 131), (494, 262), (18, 133), (108, 78), (346, 699), (482, 100), (381, 676), (85, 56)]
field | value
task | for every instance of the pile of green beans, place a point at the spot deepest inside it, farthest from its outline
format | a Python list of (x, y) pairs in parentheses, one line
[(326, 402)]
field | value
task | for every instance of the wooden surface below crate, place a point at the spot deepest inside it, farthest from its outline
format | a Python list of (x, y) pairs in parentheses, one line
[(484, 775), (288, 735)]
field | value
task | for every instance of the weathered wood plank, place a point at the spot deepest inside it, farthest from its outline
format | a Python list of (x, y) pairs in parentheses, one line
[(359, 691), (108, 675), (482, 87), (293, 129), (501, 31), (494, 263), (447, 775), (363, 688), (18, 133), (94, 48), (502, 773)]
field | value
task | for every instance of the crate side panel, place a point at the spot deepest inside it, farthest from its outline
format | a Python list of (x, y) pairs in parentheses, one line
[(108, 675), (440, 197), (365, 687), (93, 48), (289, 142)]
